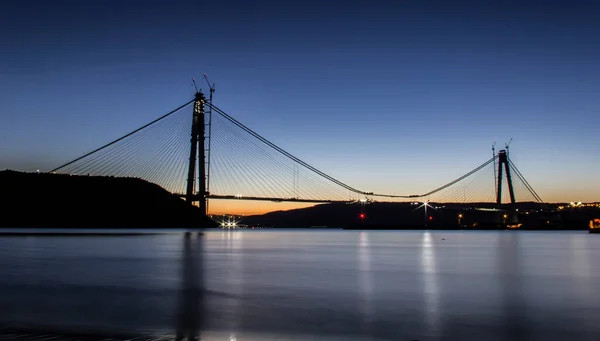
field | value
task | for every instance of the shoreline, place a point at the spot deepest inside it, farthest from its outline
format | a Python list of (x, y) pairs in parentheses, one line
[(85, 232), (91, 232)]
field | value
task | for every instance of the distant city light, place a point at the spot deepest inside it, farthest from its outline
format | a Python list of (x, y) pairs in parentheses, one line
[(229, 221)]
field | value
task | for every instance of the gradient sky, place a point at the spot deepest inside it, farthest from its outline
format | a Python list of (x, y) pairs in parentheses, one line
[(384, 95)]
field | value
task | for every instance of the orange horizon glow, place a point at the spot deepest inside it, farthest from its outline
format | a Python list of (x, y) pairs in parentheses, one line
[(249, 207)]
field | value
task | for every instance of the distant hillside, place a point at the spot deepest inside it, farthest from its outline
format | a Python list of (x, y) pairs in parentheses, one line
[(65, 201), (347, 215), (406, 215)]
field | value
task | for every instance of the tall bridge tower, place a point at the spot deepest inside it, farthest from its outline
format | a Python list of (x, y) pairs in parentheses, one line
[(503, 161), (197, 147)]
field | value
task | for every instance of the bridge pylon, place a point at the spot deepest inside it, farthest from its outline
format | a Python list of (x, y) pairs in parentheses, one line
[(503, 161), (197, 147)]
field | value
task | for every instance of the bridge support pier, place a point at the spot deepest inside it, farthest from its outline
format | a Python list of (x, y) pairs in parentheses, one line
[(503, 161), (197, 146)]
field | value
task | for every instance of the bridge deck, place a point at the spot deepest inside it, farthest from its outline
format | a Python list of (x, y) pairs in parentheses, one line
[(237, 197)]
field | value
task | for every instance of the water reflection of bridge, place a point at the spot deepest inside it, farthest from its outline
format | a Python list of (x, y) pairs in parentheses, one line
[(191, 299)]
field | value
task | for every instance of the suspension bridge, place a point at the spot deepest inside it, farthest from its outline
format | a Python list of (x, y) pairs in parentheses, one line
[(201, 153)]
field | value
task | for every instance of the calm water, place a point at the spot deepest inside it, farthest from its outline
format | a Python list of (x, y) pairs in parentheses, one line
[(308, 285)]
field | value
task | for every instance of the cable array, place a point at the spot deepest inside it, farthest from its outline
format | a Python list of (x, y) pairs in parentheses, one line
[(523, 190), (157, 152), (245, 164), (474, 187)]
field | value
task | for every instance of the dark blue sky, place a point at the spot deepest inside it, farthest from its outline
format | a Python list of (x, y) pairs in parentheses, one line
[(385, 95)]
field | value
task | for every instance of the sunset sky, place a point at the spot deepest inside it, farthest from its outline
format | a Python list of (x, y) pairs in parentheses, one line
[(389, 96)]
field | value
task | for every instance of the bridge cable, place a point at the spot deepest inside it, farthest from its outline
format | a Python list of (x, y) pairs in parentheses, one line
[(229, 143), (461, 178), (233, 171), (439, 188), (171, 140), (260, 151), (258, 172), (112, 158), (522, 177), (315, 170), (280, 150), (123, 137), (525, 182), (243, 165), (469, 190)]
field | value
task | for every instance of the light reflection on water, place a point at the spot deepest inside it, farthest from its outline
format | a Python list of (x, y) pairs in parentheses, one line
[(299, 285), (365, 277), (233, 280), (430, 290)]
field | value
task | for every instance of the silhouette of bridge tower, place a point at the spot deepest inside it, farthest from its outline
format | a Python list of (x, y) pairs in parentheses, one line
[(503, 161), (198, 146), (224, 159)]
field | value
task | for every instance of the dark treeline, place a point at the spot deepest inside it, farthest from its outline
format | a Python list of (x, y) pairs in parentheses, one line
[(65, 201)]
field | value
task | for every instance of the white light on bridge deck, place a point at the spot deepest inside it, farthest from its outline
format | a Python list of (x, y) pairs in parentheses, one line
[(238, 196)]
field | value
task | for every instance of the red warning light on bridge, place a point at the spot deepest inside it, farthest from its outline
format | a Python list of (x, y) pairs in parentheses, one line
[(430, 218), (362, 216)]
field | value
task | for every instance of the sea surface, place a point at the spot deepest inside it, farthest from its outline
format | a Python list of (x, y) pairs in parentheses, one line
[(237, 285)]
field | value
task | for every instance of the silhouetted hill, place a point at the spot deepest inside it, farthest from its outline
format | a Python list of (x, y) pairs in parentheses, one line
[(65, 201), (408, 216)]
